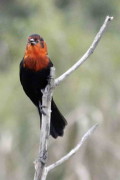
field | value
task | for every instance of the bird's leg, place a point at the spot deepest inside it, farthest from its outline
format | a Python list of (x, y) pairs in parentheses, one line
[(42, 108)]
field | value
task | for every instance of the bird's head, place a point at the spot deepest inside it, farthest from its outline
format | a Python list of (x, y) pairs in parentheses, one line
[(36, 55), (36, 45)]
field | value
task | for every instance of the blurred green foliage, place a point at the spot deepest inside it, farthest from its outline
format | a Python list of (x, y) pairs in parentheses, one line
[(90, 95)]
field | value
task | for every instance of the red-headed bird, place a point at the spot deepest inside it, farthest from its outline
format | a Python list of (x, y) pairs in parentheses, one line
[(34, 75)]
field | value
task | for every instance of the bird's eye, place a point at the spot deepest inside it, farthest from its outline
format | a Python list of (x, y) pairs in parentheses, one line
[(36, 40)]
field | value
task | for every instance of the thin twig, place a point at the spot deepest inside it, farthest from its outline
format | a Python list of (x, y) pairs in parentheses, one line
[(87, 54), (74, 150)]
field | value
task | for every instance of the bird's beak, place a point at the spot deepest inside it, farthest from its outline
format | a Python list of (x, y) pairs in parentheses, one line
[(32, 41)]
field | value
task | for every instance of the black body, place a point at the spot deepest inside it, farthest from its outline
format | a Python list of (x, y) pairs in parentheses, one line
[(33, 82)]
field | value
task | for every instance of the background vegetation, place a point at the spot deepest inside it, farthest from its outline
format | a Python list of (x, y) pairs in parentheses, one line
[(89, 96)]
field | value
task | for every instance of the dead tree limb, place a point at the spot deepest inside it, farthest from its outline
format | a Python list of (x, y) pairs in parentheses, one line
[(41, 170), (40, 163)]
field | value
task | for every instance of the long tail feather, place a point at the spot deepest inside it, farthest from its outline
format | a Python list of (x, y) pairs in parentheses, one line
[(58, 122)]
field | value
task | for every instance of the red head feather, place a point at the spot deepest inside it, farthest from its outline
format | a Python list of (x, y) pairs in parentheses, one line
[(35, 57)]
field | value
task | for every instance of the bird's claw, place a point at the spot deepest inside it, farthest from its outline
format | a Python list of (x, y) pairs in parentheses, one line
[(42, 109)]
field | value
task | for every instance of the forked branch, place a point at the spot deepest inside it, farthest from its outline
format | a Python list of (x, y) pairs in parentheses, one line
[(41, 170)]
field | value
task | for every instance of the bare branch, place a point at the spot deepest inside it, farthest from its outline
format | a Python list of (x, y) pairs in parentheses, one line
[(74, 150), (87, 54), (41, 170), (40, 163)]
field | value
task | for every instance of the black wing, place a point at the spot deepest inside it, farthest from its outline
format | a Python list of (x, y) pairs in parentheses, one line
[(33, 82)]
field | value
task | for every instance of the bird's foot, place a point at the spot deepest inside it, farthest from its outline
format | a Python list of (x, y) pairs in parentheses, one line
[(42, 109)]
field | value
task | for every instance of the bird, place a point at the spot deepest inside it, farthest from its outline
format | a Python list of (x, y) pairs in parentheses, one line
[(34, 74)]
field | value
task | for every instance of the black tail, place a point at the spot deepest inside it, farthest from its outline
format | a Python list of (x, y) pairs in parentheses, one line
[(58, 122)]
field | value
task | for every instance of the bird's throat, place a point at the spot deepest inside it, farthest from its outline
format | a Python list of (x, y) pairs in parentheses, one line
[(35, 58)]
